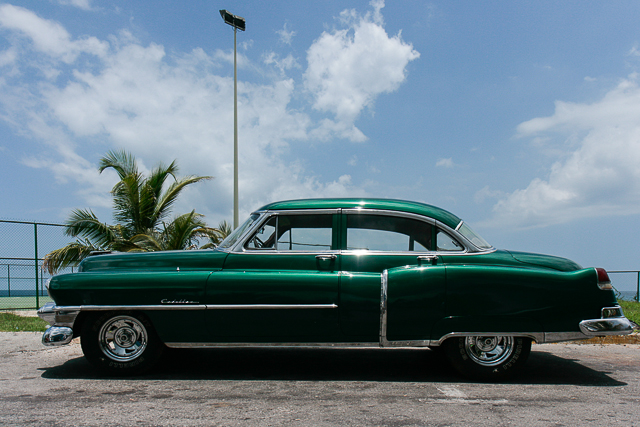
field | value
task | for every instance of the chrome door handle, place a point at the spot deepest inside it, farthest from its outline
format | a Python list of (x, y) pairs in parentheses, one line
[(433, 259), (326, 257)]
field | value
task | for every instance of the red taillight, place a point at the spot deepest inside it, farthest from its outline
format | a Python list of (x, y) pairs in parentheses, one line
[(604, 282)]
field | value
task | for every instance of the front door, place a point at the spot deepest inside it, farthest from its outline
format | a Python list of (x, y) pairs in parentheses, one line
[(282, 285)]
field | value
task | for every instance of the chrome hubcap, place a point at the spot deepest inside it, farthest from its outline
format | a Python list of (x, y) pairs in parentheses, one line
[(489, 351), (123, 338)]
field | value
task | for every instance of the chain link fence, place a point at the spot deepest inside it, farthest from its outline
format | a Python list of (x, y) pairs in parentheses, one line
[(23, 246)]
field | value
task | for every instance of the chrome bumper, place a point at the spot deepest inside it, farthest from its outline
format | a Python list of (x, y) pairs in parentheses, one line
[(57, 335), (608, 326), (61, 321)]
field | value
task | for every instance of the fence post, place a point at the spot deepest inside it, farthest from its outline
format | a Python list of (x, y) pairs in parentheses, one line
[(35, 239), (8, 280), (638, 288)]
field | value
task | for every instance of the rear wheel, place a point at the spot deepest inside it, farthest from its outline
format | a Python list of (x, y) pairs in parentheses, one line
[(488, 358), (121, 343)]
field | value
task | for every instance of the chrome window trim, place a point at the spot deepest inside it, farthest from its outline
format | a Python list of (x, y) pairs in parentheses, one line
[(274, 252), (241, 239), (239, 247), (469, 248), (409, 215)]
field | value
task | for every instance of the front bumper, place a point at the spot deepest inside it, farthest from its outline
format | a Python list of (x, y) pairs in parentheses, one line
[(61, 321)]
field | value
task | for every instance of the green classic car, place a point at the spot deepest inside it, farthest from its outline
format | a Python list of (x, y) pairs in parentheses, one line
[(337, 273)]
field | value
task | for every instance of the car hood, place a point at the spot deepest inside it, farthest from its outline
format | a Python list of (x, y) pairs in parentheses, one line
[(155, 261), (547, 261)]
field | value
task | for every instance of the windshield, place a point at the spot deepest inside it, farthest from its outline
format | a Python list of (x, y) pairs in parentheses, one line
[(238, 232), (473, 237)]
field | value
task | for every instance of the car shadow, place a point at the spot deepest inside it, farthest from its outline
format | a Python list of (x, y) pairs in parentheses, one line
[(303, 364)]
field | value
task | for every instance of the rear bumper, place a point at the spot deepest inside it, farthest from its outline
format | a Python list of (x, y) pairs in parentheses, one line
[(608, 326)]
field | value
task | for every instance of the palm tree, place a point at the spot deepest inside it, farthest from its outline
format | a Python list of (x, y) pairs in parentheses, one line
[(223, 230), (141, 207)]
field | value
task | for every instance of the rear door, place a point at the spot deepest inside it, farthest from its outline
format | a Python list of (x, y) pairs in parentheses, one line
[(375, 241)]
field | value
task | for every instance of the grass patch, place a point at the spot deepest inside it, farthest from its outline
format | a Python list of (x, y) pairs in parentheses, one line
[(18, 303), (10, 322), (631, 310)]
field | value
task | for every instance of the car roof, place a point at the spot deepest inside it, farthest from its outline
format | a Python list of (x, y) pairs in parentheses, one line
[(434, 212)]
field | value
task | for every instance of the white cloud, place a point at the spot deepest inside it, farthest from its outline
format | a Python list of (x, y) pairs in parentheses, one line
[(282, 64), (600, 175), (286, 36), (349, 68), (123, 94), (82, 4), (47, 36), (487, 193), (445, 163)]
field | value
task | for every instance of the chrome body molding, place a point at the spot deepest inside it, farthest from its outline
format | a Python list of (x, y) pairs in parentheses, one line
[(538, 337), (268, 306), (278, 344), (52, 313), (384, 294)]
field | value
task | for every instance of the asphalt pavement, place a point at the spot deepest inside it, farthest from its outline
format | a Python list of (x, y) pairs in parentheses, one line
[(562, 385)]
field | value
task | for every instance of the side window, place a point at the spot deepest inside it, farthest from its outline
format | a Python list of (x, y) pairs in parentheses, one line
[(446, 243), (387, 233), (301, 233), (265, 237)]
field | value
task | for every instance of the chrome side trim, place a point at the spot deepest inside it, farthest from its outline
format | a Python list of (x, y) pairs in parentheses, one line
[(536, 336), (268, 306), (384, 289), (58, 311), (550, 337), (261, 344), (129, 307)]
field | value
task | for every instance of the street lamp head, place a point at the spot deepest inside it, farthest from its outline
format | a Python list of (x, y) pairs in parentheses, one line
[(233, 20)]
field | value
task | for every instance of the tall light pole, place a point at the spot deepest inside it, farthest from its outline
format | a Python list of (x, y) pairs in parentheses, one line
[(238, 23)]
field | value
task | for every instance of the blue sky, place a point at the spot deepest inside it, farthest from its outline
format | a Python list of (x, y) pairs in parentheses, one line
[(521, 117)]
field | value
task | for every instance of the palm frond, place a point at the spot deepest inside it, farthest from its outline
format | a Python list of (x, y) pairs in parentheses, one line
[(146, 242), (169, 197), (121, 161), (69, 256), (85, 224)]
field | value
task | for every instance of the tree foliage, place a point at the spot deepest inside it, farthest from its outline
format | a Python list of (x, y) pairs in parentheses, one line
[(141, 209)]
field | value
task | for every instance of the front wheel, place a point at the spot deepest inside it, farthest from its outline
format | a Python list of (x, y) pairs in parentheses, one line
[(121, 343), (488, 358)]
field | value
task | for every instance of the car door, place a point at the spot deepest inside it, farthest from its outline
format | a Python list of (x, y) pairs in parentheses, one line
[(281, 284), (375, 241)]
